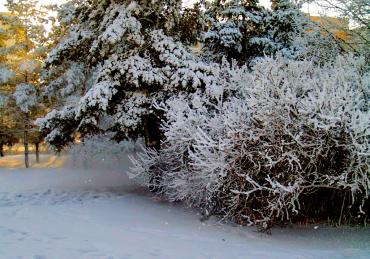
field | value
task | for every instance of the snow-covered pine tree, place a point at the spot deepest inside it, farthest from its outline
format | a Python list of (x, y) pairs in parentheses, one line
[(232, 24), (281, 27), (243, 31), (117, 60)]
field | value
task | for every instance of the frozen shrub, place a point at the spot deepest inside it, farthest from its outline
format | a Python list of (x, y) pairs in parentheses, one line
[(286, 141)]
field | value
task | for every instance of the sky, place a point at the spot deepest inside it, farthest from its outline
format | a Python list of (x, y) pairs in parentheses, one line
[(3, 2), (312, 9)]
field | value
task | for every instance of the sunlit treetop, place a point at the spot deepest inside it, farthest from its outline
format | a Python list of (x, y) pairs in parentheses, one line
[(33, 18)]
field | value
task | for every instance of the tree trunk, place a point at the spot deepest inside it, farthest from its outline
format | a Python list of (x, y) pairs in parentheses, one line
[(26, 128), (37, 145), (85, 160), (1, 150), (153, 140), (152, 132)]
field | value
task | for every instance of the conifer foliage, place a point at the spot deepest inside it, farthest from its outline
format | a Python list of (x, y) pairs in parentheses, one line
[(117, 60)]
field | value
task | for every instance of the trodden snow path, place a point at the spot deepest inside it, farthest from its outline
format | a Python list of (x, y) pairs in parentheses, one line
[(72, 213)]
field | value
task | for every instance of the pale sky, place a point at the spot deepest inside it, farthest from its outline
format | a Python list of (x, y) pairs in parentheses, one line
[(312, 9), (3, 2)]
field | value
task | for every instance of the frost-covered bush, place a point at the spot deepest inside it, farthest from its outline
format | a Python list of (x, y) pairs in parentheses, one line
[(288, 140)]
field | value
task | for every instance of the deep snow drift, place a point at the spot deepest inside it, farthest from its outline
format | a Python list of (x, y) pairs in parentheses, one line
[(55, 212)]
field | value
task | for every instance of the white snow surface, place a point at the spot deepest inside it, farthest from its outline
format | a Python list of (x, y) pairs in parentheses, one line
[(66, 212)]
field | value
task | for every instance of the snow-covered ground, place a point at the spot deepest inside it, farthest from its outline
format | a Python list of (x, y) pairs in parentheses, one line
[(58, 212)]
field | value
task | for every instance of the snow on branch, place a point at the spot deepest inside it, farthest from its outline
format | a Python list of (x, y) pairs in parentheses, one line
[(25, 96)]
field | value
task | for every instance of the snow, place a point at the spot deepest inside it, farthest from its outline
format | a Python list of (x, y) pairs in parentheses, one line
[(5, 75), (3, 100), (61, 212), (25, 96)]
